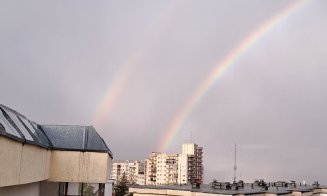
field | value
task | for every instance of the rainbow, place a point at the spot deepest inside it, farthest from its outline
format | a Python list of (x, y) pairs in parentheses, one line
[(219, 69), (113, 92), (116, 86)]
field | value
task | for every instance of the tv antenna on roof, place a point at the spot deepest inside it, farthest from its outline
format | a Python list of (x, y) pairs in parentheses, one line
[(234, 179)]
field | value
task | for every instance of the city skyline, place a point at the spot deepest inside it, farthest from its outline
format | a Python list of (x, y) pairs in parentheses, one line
[(154, 75), (159, 168)]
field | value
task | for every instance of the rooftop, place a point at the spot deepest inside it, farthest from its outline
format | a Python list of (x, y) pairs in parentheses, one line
[(247, 190), (16, 126)]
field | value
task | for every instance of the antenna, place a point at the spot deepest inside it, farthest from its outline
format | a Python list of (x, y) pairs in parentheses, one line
[(234, 179), (191, 137)]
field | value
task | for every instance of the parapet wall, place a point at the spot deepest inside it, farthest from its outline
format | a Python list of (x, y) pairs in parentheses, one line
[(145, 191), (24, 163), (168, 192), (70, 166)]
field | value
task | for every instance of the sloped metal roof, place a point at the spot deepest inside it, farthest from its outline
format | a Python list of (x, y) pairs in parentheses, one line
[(73, 137), (59, 137)]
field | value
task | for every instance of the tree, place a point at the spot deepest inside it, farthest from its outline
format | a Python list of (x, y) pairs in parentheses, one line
[(88, 190), (121, 188)]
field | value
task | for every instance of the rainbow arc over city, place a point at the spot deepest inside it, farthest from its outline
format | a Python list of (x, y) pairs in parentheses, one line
[(116, 86), (233, 56)]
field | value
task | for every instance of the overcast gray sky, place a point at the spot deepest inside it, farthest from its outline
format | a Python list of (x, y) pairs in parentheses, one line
[(59, 59)]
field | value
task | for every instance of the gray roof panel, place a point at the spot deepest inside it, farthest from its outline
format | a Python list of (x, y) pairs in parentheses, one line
[(65, 137), (61, 137), (74, 137), (94, 141)]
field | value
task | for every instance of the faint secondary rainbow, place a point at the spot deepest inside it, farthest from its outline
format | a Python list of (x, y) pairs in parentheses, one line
[(109, 99), (113, 92), (117, 85), (219, 69)]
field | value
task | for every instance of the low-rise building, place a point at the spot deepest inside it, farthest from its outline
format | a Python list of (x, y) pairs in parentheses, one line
[(133, 170), (50, 160)]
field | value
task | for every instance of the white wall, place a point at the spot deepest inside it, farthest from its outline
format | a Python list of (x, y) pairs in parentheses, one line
[(87, 167), (182, 169), (22, 164), (188, 149), (108, 188)]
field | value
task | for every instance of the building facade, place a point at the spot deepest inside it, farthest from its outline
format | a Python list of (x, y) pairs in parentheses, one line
[(167, 168), (133, 170), (182, 169), (170, 169), (151, 169), (194, 155)]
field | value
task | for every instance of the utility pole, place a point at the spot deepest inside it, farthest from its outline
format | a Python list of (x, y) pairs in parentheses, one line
[(234, 179)]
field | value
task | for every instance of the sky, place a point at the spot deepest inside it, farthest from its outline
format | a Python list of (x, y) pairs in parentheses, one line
[(129, 67)]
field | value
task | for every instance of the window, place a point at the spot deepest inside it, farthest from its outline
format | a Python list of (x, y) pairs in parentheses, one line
[(80, 189), (20, 126), (7, 126)]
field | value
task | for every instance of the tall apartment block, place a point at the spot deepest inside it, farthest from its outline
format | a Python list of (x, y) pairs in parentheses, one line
[(162, 168), (194, 161), (133, 169), (151, 169)]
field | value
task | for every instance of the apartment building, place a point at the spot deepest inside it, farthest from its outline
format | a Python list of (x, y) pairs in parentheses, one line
[(182, 169), (194, 161), (151, 169), (169, 169), (133, 169)]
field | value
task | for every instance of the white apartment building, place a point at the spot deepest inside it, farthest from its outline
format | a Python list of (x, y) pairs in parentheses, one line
[(162, 168), (133, 169), (151, 169), (167, 168), (182, 169)]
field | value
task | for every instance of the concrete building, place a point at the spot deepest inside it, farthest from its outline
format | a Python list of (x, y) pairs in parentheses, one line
[(151, 169), (194, 161), (133, 169), (167, 168), (170, 169), (50, 159), (182, 169)]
